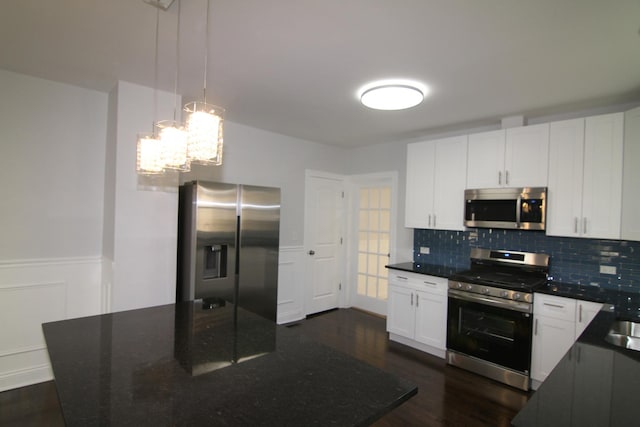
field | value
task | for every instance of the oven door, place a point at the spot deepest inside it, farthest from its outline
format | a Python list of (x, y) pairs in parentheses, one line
[(490, 329)]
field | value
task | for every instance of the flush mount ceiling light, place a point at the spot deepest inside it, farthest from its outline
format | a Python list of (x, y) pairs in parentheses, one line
[(392, 94)]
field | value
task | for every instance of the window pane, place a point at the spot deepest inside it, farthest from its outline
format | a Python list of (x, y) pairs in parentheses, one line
[(384, 244), (374, 198), (364, 198), (362, 263), (372, 286), (385, 220), (362, 241), (372, 267), (364, 220), (373, 242), (374, 218), (362, 284), (385, 198)]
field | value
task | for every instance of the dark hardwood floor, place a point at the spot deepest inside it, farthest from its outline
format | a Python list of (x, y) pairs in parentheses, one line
[(447, 396)]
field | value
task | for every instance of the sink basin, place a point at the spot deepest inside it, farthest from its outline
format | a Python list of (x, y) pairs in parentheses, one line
[(624, 334)]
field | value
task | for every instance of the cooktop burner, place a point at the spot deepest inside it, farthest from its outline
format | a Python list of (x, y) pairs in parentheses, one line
[(519, 271)]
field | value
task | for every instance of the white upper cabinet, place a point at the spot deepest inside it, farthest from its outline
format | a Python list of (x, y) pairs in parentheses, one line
[(486, 159), (526, 157), (515, 157), (436, 176), (585, 177), (630, 227)]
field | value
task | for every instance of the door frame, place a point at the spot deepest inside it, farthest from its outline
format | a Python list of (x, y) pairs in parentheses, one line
[(343, 179), (354, 184)]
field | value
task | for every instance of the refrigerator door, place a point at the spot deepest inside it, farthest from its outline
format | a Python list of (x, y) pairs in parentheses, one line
[(209, 227), (259, 241)]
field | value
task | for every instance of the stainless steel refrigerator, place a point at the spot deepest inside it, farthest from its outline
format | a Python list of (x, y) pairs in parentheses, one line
[(228, 240)]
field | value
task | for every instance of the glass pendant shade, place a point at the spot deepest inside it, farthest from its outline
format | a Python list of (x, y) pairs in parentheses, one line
[(173, 139), (204, 132), (149, 155)]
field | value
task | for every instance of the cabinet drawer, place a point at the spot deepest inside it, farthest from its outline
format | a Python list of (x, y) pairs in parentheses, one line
[(555, 307), (434, 285), (419, 282)]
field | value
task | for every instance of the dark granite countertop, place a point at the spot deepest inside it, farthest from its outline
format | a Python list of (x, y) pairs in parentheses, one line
[(428, 269), (594, 384), (180, 365)]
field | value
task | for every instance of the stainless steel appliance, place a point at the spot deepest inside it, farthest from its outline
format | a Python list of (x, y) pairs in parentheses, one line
[(490, 314), (515, 208), (228, 241)]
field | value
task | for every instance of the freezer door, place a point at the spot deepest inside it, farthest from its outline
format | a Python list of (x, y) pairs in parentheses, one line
[(258, 250), (215, 240)]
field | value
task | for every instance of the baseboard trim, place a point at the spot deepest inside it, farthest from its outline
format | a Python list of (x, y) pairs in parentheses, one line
[(25, 377), (441, 353)]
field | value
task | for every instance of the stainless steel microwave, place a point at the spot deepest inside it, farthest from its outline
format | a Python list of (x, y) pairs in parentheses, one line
[(512, 208)]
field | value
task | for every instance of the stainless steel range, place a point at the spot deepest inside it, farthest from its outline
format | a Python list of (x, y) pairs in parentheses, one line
[(490, 314)]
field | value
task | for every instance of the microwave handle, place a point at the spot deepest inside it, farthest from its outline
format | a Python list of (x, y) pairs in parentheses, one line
[(518, 210)]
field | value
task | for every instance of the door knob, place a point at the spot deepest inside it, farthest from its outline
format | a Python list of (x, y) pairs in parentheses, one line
[(312, 252)]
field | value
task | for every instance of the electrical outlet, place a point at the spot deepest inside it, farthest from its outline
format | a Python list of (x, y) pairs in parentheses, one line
[(424, 250), (607, 269)]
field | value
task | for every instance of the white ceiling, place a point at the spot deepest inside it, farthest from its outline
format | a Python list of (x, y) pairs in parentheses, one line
[(294, 66)]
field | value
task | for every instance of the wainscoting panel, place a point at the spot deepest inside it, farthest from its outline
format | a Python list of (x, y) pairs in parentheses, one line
[(290, 284), (33, 292)]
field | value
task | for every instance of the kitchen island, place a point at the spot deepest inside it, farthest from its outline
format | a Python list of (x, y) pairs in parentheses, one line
[(178, 364)]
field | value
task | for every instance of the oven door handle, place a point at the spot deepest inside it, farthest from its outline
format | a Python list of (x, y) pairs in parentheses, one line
[(494, 302)]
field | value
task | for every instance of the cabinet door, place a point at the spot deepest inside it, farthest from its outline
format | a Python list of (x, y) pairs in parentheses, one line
[(564, 196), (431, 319), (552, 338), (602, 184), (485, 164), (630, 228), (592, 382), (586, 311), (450, 180), (527, 156), (401, 312), (420, 179)]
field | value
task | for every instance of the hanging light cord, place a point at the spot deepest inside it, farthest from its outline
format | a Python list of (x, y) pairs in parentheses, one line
[(175, 84), (206, 53), (155, 76)]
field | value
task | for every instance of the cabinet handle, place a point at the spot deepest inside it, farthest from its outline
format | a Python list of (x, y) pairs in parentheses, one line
[(429, 220), (402, 278), (417, 300), (499, 177), (506, 177), (584, 225), (535, 329), (553, 305), (579, 313), (430, 283), (411, 298), (575, 225), (434, 220)]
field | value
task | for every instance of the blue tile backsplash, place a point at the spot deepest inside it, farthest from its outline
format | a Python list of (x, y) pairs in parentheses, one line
[(572, 260)]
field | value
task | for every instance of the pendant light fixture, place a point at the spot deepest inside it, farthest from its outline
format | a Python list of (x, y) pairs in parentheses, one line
[(149, 147), (173, 136), (204, 122)]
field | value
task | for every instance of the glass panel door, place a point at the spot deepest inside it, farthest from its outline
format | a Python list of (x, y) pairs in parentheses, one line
[(374, 237)]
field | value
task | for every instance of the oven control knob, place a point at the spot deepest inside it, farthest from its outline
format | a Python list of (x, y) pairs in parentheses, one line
[(485, 291), (469, 287), (504, 294), (517, 296), (459, 285)]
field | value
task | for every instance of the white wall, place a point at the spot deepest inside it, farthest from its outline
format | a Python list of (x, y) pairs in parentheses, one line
[(52, 157), (52, 151)]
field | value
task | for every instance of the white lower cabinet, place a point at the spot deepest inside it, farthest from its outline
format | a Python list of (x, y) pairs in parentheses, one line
[(557, 324), (417, 311)]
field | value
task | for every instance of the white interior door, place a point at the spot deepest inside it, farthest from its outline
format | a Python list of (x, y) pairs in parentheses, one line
[(324, 209), (374, 216)]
